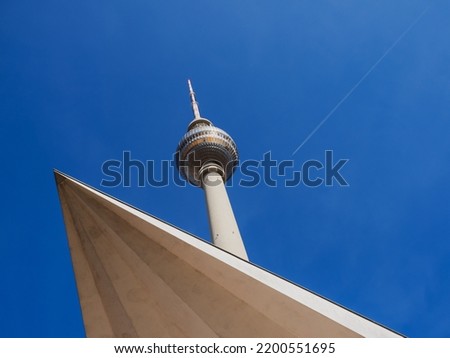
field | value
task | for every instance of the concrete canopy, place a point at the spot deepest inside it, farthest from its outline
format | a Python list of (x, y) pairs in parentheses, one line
[(138, 276)]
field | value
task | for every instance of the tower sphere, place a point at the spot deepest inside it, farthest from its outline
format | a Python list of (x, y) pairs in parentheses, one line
[(205, 144)]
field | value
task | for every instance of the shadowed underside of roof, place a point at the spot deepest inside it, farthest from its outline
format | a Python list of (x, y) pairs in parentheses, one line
[(138, 276)]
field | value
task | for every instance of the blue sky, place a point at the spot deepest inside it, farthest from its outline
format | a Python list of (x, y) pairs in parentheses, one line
[(82, 81)]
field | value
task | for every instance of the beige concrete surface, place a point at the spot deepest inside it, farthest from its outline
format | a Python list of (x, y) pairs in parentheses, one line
[(138, 276)]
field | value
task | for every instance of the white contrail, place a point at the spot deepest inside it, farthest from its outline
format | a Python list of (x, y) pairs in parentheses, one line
[(360, 81)]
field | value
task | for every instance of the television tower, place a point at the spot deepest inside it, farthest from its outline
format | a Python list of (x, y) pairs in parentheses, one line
[(207, 157)]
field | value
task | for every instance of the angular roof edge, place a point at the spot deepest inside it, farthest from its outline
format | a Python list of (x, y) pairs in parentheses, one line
[(339, 314)]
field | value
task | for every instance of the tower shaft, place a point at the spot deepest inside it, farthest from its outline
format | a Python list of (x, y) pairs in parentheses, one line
[(224, 229)]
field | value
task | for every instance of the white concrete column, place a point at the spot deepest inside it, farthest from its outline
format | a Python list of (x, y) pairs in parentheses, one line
[(224, 229)]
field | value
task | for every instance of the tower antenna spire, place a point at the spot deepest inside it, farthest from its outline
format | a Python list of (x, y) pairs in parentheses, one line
[(194, 102)]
